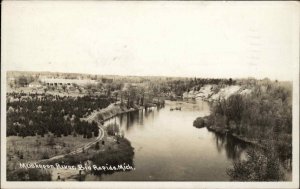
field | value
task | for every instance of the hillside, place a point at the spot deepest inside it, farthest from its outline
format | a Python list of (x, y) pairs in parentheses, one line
[(214, 92)]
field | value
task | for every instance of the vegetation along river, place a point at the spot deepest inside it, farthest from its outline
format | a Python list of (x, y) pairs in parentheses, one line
[(168, 147)]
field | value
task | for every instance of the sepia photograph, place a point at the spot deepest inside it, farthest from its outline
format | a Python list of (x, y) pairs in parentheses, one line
[(148, 94)]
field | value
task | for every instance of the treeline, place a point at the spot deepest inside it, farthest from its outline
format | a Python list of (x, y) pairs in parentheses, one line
[(22, 81), (40, 114), (264, 116), (159, 86), (179, 86)]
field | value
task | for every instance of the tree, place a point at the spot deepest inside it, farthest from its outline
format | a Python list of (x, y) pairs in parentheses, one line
[(97, 147), (50, 141), (22, 81), (259, 166), (230, 81), (64, 87), (11, 84), (116, 94)]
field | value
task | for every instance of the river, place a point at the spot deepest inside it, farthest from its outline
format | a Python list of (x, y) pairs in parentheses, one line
[(168, 147)]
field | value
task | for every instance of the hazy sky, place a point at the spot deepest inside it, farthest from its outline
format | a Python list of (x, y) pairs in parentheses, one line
[(198, 39)]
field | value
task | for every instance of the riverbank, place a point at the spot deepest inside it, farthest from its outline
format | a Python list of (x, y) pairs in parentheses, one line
[(111, 111), (112, 153), (120, 149), (109, 146), (201, 122), (244, 139), (211, 93)]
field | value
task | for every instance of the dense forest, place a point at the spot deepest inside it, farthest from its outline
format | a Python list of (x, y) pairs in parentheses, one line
[(264, 118), (40, 114)]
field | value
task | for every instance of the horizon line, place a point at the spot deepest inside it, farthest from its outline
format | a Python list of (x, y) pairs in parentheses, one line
[(166, 76)]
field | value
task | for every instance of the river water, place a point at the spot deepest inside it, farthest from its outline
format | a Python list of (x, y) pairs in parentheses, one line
[(167, 147)]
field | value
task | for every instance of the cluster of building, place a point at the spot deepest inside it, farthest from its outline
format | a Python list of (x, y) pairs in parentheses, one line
[(67, 82), (60, 82)]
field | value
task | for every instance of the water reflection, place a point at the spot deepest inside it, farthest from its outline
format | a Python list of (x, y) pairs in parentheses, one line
[(141, 118), (234, 148), (168, 147), (135, 118)]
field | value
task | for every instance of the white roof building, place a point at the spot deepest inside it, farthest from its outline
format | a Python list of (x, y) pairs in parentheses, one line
[(56, 82), (35, 84)]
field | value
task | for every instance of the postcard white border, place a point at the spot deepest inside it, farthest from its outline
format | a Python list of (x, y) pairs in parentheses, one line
[(154, 184)]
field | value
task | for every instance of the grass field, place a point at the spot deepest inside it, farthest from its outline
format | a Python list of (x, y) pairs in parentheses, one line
[(33, 148), (36, 147)]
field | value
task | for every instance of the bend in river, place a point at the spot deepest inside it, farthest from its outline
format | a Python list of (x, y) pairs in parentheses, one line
[(168, 147)]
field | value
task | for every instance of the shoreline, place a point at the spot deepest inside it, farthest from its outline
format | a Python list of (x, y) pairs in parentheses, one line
[(225, 131), (120, 113), (228, 132), (113, 110)]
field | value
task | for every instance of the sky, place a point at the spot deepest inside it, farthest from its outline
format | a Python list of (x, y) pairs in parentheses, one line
[(188, 39)]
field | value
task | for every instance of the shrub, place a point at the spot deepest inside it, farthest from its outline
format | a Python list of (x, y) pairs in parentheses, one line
[(28, 175), (45, 155), (97, 147), (112, 129), (259, 166), (199, 122), (114, 157)]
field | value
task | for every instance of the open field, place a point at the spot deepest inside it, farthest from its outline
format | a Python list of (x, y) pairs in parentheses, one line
[(35, 147)]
